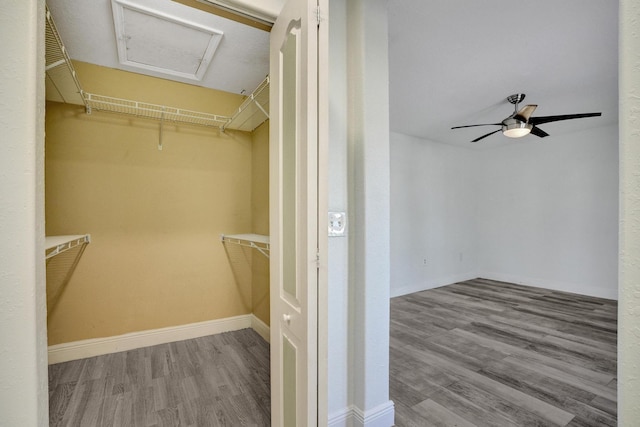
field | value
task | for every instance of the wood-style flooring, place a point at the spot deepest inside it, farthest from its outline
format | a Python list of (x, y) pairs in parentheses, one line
[(218, 380), (475, 353), (487, 353)]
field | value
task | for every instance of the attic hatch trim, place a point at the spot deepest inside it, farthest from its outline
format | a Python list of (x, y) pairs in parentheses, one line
[(125, 53), (56, 51)]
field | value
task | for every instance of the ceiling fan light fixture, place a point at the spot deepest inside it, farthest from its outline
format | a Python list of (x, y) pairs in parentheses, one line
[(515, 128), (521, 123)]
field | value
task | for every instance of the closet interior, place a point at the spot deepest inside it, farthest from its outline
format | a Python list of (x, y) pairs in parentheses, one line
[(157, 213)]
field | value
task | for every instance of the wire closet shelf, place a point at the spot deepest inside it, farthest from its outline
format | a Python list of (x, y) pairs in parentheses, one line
[(152, 111), (61, 82), (55, 245), (253, 111)]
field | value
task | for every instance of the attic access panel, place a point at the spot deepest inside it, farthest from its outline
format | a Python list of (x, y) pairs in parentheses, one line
[(156, 41)]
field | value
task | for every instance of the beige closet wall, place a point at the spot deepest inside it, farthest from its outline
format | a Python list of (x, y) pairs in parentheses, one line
[(155, 217)]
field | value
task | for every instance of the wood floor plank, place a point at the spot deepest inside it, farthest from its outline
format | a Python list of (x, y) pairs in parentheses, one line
[(481, 353), (517, 355), (408, 394), (405, 416), (597, 343), (562, 325), (59, 400), (437, 415), (598, 390), (590, 376), (554, 415), (605, 405), (453, 400), (492, 403), (221, 380), (534, 383)]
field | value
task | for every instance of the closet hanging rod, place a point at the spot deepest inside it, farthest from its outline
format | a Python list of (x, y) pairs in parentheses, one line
[(152, 111)]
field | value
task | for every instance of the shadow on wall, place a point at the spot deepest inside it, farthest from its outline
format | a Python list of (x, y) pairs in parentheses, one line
[(60, 269), (240, 261), (250, 269)]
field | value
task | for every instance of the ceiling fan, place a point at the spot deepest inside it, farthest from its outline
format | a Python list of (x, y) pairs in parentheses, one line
[(520, 123)]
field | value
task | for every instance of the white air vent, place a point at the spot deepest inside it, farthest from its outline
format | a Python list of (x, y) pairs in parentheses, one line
[(155, 41)]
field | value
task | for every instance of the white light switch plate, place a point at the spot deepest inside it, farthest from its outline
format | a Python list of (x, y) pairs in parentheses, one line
[(337, 223)]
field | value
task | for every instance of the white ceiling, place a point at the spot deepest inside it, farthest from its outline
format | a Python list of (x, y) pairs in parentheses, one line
[(454, 63), (450, 62)]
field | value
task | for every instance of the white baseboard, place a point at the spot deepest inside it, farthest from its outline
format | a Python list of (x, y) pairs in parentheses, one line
[(98, 346), (430, 284), (381, 416), (341, 418), (261, 328)]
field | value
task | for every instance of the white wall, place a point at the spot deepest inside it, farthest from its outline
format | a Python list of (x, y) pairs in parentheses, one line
[(537, 212), (628, 312), (433, 214), (23, 331), (549, 212), (338, 247), (369, 216), (358, 175)]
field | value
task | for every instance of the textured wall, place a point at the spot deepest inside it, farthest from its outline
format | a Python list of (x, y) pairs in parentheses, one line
[(369, 239), (629, 306), (23, 355)]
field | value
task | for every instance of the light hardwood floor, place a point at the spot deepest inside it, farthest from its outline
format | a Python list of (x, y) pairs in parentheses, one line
[(219, 380), (487, 353)]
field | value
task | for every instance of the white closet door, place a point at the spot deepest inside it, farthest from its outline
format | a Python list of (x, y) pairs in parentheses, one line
[(294, 215)]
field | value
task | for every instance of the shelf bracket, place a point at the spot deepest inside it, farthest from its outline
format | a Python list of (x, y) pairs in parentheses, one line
[(254, 241), (259, 249), (161, 123), (260, 107)]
